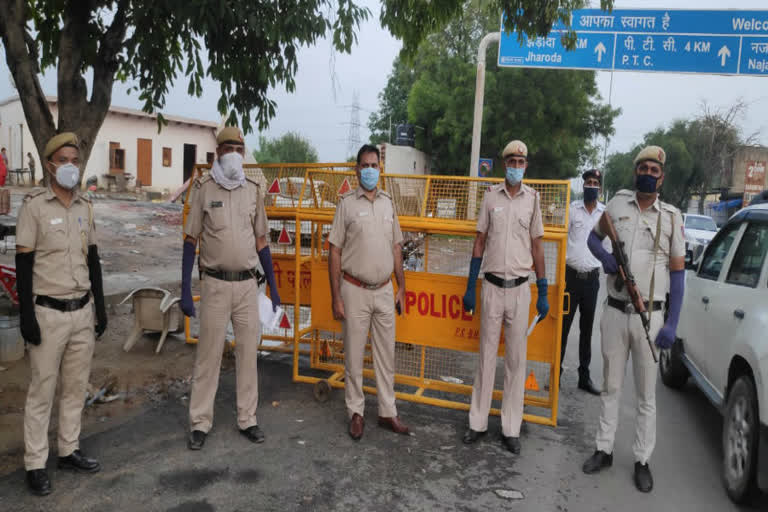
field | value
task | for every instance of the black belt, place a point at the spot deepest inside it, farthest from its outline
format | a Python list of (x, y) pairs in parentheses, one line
[(239, 275), (589, 274), (501, 283), (626, 306), (63, 305)]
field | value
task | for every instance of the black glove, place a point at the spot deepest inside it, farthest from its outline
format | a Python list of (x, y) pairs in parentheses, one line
[(30, 329), (97, 289)]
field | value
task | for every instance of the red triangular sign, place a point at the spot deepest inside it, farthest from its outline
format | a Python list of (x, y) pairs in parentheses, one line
[(284, 238), (274, 188), (284, 323), (345, 187)]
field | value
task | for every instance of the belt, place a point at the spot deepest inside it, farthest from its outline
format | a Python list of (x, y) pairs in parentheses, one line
[(238, 275), (361, 284), (589, 274), (512, 283), (627, 307), (63, 305)]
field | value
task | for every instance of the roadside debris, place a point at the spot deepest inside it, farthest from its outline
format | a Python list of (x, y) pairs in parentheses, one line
[(509, 494)]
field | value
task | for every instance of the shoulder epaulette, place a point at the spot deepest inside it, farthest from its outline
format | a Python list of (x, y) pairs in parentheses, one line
[(347, 194), (385, 193), (624, 192), (252, 180), (34, 194), (668, 207), (203, 179)]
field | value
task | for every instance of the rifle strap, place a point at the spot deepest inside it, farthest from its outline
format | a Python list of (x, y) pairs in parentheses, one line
[(653, 272)]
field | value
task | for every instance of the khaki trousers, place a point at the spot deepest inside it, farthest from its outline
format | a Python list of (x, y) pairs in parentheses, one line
[(369, 311), (66, 349), (221, 301), (621, 335), (510, 306)]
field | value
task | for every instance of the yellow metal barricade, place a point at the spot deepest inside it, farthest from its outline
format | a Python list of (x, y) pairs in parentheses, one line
[(437, 342), (284, 191)]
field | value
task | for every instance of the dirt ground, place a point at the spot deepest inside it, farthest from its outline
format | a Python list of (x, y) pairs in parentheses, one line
[(140, 245)]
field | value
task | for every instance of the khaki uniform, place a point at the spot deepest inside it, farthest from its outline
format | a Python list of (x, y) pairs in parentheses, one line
[(227, 223), (622, 333), (510, 223), (366, 232), (60, 237)]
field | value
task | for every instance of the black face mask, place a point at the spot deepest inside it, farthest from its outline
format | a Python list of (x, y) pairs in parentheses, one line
[(646, 183), (591, 193)]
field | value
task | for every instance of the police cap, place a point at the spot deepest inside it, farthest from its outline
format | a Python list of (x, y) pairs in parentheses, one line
[(653, 153), (59, 141), (516, 147), (230, 135)]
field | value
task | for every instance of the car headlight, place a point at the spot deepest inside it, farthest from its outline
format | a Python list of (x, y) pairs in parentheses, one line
[(702, 241)]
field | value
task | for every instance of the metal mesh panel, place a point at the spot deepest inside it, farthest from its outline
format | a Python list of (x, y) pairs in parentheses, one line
[(276, 227), (448, 254), (407, 193), (324, 188), (305, 318), (554, 197)]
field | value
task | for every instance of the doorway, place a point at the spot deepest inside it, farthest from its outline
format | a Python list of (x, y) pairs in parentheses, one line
[(144, 162), (190, 156)]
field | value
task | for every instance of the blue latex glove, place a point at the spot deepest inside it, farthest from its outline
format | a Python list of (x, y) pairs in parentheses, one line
[(542, 304), (187, 262), (265, 257), (667, 334), (595, 246), (469, 295)]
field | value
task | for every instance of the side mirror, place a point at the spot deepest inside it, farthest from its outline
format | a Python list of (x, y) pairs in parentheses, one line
[(689, 263)]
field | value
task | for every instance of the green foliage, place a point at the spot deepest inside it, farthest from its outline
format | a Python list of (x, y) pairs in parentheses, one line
[(699, 153), (557, 113), (289, 148)]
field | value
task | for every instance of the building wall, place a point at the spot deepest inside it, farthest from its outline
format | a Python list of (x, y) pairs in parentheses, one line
[(125, 130), (743, 155)]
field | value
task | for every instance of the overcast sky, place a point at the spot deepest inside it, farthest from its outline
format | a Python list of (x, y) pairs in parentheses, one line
[(319, 108)]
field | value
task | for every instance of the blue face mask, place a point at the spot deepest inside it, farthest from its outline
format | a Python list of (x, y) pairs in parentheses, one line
[(590, 194), (515, 175), (369, 178), (646, 183)]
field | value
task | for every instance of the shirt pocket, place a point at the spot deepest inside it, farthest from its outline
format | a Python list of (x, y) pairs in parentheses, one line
[(215, 217), (388, 227), (54, 233), (498, 219)]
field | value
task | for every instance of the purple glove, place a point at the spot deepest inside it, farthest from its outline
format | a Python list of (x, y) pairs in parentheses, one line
[(598, 251), (666, 337)]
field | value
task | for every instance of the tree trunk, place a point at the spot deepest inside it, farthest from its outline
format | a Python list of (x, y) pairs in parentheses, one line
[(702, 198)]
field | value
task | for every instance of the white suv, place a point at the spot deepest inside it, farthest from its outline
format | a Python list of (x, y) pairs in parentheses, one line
[(723, 344)]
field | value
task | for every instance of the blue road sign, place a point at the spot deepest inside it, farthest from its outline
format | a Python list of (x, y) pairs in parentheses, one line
[(593, 51), (677, 41)]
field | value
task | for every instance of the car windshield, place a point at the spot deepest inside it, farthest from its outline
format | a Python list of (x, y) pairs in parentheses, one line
[(701, 223)]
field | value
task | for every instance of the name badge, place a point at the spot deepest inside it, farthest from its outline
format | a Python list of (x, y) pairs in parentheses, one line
[(498, 208), (217, 204), (362, 214), (54, 222)]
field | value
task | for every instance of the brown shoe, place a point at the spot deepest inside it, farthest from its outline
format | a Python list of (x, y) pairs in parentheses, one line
[(394, 424), (356, 427)]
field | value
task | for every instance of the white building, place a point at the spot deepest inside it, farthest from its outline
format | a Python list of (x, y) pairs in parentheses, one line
[(128, 143), (404, 160)]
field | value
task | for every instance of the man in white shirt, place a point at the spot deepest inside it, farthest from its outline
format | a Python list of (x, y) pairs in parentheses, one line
[(582, 275)]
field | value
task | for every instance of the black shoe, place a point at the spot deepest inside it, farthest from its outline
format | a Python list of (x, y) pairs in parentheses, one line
[(254, 434), (470, 436), (196, 440), (511, 443), (38, 482), (79, 462), (597, 461), (586, 385), (643, 478)]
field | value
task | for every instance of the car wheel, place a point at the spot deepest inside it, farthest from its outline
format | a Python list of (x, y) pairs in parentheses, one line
[(674, 374), (740, 438)]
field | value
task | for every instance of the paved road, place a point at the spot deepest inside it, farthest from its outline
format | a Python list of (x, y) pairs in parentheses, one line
[(309, 463)]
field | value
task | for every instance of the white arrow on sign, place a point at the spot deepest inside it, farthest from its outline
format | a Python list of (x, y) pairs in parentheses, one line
[(600, 50), (724, 53)]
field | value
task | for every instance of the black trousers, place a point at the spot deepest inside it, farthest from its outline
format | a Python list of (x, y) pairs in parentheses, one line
[(583, 294)]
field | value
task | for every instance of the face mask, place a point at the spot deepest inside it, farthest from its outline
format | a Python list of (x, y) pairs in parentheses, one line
[(369, 178), (67, 176), (591, 193), (515, 175), (232, 165), (646, 183)]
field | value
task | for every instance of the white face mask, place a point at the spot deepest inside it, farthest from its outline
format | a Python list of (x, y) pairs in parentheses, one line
[(232, 165), (67, 176)]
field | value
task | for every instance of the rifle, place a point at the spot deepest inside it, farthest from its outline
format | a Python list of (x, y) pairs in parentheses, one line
[(626, 277)]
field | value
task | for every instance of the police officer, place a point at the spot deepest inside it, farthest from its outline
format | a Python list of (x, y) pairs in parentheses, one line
[(57, 273), (365, 247), (582, 275), (657, 261), (509, 233), (227, 215)]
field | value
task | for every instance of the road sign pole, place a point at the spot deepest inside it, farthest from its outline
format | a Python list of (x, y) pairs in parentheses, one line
[(477, 125)]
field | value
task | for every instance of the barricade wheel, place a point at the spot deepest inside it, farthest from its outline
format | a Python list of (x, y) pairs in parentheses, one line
[(322, 391)]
